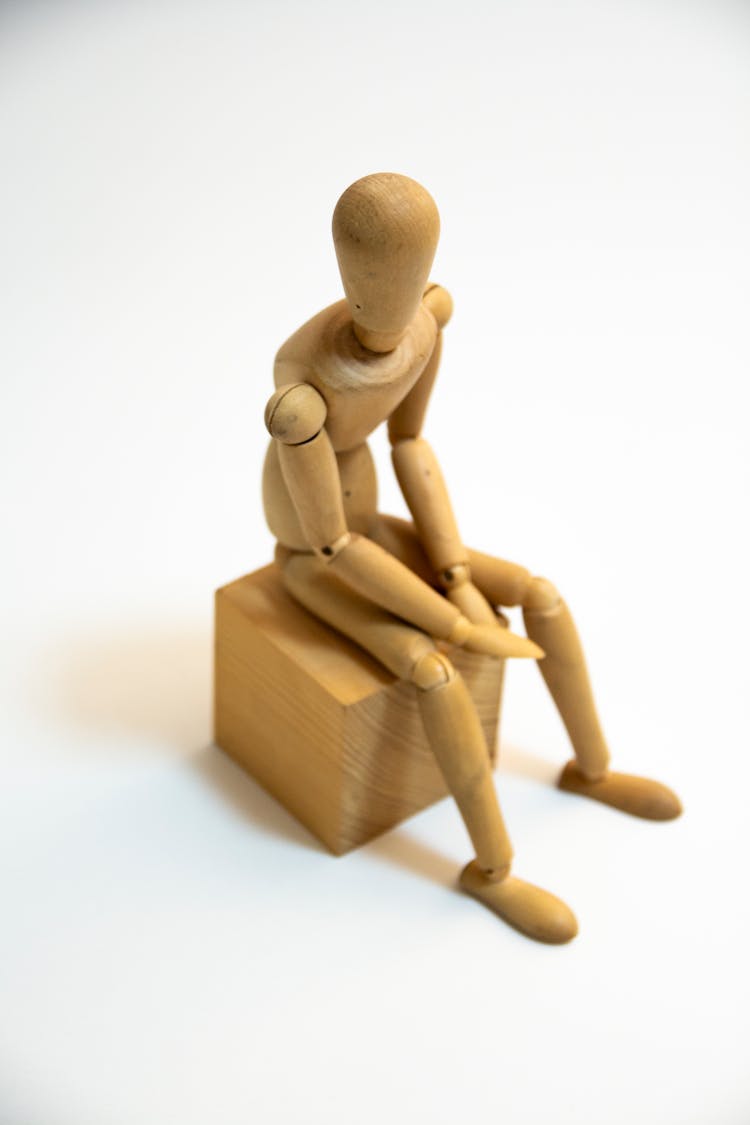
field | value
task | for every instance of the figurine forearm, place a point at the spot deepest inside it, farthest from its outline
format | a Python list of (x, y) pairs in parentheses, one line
[(379, 576), (425, 493)]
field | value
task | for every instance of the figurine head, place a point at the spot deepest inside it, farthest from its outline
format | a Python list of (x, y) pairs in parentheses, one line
[(385, 229)]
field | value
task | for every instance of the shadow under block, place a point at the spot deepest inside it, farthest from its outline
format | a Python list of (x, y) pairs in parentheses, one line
[(323, 727)]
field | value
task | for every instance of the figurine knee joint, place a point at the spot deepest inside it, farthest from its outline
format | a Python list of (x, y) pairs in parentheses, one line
[(431, 671), (541, 596)]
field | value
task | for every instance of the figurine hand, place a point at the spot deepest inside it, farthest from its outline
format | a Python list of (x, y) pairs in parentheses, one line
[(472, 603), (491, 640)]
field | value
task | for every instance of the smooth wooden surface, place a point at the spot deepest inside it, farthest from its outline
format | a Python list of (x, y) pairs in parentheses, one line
[(530, 909), (422, 483), (639, 796), (456, 737), (320, 509), (320, 724), (373, 359), (385, 230), (378, 575)]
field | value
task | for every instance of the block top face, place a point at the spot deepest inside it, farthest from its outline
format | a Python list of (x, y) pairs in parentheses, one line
[(341, 668)]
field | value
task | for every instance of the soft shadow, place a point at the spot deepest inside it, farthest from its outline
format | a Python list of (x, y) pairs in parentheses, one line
[(147, 685), (248, 799), (155, 687), (524, 763), (400, 849)]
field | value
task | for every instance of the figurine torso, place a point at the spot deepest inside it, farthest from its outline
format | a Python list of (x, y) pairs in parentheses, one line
[(361, 389)]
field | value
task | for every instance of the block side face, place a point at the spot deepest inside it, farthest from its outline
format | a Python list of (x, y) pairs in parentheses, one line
[(277, 722), (484, 679), (342, 669), (390, 772)]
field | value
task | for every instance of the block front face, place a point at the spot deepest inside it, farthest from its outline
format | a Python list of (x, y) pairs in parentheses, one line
[(387, 756), (326, 730)]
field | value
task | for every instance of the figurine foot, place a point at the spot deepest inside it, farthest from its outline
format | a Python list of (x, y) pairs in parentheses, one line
[(638, 796), (536, 913)]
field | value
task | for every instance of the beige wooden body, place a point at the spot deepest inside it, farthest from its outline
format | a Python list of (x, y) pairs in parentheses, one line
[(394, 589)]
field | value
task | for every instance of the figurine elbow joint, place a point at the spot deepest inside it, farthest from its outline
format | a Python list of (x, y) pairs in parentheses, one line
[(329, 552)]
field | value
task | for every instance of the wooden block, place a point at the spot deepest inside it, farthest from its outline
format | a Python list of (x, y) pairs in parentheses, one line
[(323, 727)]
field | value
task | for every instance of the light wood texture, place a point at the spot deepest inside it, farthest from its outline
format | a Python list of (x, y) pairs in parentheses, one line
[(565, 673), (407, 419), (357, 484), (393, 642), (639, 796), (535, 912), (471, 601), (423, 486), (440, 303), (295, 413), (371, 571), (361, 388), (369, 359), (385, 230), (322, 725), (311, 476)]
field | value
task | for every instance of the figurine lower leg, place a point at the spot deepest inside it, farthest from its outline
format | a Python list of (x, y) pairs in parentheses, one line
[(550, 625), (455, 736)]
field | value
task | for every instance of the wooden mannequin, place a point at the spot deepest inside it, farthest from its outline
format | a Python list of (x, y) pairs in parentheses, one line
[(397, 588)]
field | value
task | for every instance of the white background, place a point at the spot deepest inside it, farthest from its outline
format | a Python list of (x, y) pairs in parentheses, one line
[(173, 947)]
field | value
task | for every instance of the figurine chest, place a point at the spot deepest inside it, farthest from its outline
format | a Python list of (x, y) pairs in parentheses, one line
[(355, 412), (362, 388)]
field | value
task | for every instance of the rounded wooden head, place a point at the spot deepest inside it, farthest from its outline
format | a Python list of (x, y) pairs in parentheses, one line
[(385, 229)]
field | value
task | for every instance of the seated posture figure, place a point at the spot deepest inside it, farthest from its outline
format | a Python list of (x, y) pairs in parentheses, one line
[(397, 588)]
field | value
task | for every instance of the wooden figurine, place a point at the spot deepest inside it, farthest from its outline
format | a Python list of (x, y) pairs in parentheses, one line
[(404, 591)]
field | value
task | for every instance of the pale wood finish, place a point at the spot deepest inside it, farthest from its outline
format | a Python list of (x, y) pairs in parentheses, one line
[(366, 360), (440, 303), (455, 735), (361, 388), (295, 413), (385, 230), (565, 673), (320, 509), (407, 419), (371, 571), (535, 912), (358, 487), (390, 640), (639, 796), (423, 486)]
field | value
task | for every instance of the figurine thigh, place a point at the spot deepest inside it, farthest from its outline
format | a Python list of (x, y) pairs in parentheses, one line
[(394, 643), (502, 583)]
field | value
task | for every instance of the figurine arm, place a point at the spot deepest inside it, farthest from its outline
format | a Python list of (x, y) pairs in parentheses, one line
[(422, 482), (427, 498), (295, 417)]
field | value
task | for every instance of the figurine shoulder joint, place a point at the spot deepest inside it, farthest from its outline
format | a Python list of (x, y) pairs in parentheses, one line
[(296, 413), (439, 302)]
